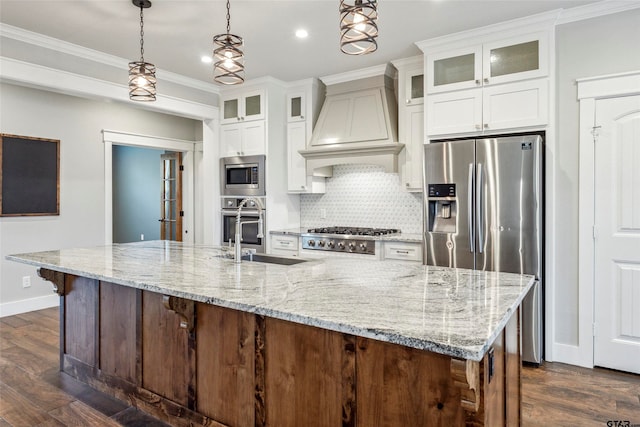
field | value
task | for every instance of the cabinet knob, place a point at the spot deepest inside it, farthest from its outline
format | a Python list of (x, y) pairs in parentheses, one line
[(406, 184), (478, 127), (242, 118), (486, 125), (477, 82), (238, 118), (302, 117), (486, 80), (408, 101)]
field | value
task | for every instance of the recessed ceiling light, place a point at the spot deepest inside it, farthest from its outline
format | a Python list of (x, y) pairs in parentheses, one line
[(302, 33), (206, 59)]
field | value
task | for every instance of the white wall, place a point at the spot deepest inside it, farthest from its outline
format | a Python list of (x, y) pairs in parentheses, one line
[(598, 46), (77, 123)]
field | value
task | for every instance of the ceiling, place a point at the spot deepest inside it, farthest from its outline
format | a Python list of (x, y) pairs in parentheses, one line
[(177, 33)]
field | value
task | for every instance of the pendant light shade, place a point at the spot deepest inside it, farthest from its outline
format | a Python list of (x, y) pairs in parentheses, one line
[(142, 75), (358, 26), (227, 54)]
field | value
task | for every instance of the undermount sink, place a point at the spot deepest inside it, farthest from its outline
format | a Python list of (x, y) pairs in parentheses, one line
[(270, 259)]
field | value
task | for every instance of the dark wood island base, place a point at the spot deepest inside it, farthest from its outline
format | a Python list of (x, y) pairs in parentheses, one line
[(190, 363)]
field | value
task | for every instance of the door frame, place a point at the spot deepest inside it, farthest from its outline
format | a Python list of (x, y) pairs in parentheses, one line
[(188, 148), (591, 90)]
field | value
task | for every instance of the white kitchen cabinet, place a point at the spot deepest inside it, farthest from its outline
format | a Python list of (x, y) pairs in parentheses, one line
[(296, 106), (495, 62), (498, 107), (284, 244), (303, 105), (405, 251), (243, 139), (411, 120), (243, 107)]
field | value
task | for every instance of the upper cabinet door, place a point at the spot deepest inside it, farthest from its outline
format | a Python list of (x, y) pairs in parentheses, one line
[(516, 58), (296, 107), (244, 107), (414, 87), (454, 69)]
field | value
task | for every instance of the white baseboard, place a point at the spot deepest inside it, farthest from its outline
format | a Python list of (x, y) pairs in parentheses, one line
[(26, 305)]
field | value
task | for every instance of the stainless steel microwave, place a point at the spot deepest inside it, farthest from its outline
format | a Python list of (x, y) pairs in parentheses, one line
[(242, 176)]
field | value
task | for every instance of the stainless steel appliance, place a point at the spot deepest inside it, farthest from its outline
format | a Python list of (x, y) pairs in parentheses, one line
[(484, 210), (359, 240), (242, 176), (250, 239)]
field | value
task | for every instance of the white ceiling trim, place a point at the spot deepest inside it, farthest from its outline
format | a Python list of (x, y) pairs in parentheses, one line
[(33, 75), (61, 46), (147, 141), (594, 10)]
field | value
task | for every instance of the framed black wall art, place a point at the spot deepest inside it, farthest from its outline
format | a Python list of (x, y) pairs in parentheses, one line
[(29, 176)]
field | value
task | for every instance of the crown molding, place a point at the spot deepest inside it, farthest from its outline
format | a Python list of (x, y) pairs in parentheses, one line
[(595, 10), (376, 70), (33, 75), (46, 42)]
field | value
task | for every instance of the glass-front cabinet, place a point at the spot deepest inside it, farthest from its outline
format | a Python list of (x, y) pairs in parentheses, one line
[(245, 107), (296, 107), (414, 86), (506, 60)]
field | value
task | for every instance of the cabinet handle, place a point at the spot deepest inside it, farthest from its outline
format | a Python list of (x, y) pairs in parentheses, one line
[(398, 251), (302, 117), (486, 125), (238, 118), (478, 127), (242, 118), (477, 82), (486, 80), (407, 184)]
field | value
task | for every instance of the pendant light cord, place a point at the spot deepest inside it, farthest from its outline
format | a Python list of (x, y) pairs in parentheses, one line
[(141, 35), (228, 17)]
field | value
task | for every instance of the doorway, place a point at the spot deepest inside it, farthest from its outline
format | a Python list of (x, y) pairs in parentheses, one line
[(617, 233)]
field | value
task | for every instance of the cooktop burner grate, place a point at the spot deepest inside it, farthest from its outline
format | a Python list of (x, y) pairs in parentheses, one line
[(354, 231)]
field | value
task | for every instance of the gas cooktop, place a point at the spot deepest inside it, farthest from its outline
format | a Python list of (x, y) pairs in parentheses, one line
[(354, 231), (348, 239)]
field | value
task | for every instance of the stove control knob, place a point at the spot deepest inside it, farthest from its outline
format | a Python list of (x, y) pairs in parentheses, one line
[(352, 246), (363, 246), (341, 245), (312, 242), (230, 203), (331, 244), (321, 243)]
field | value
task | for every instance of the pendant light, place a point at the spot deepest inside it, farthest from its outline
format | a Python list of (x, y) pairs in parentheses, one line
[(229, 66), (142, 75), (358, 26)]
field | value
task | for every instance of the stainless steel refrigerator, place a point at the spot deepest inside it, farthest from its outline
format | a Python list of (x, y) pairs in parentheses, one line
[(484, 210)]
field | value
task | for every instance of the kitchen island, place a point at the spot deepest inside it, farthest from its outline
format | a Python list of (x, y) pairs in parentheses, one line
[(189, 336)]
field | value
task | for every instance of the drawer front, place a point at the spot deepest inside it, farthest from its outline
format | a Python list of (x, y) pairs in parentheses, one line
[(283, 242), (403, 251)]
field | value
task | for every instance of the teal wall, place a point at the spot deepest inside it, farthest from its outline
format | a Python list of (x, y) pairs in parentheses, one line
[(136, 193)]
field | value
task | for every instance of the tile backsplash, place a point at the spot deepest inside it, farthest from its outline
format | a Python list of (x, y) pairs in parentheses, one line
[(363, 196)]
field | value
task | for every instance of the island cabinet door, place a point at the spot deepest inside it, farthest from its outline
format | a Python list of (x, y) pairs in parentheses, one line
[(225, 371), (80, 322), (402, 386), (168, 351), (309, 376)]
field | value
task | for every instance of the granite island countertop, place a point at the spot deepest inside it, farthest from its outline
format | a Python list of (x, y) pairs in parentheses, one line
[(456, 312)]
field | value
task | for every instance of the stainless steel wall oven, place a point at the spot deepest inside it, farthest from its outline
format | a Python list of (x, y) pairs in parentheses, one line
[(250, 239)]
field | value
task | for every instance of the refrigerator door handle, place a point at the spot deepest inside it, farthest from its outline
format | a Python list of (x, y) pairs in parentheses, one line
[(470, 208), (479, 210)]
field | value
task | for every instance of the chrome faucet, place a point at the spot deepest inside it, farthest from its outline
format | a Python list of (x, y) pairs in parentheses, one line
[(238, 238)]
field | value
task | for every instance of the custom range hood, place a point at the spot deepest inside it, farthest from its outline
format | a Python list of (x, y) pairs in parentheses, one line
[(358, 122)]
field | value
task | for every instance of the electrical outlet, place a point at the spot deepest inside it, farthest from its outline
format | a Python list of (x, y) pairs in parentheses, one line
[(142, 237), (26, 281), (323, 213)]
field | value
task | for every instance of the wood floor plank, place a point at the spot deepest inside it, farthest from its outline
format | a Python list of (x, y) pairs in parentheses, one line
[(133, 417), (16, 321), (32, 363), (79, 414), (39, 393), (17, 410)]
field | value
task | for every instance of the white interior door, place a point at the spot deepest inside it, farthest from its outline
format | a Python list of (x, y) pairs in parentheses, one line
[(617, 242)]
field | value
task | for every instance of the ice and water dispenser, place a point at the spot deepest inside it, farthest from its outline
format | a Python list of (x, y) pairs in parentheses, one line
[(443, 208)]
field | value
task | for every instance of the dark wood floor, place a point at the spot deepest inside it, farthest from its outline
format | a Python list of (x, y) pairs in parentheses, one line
[(34, 393)]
